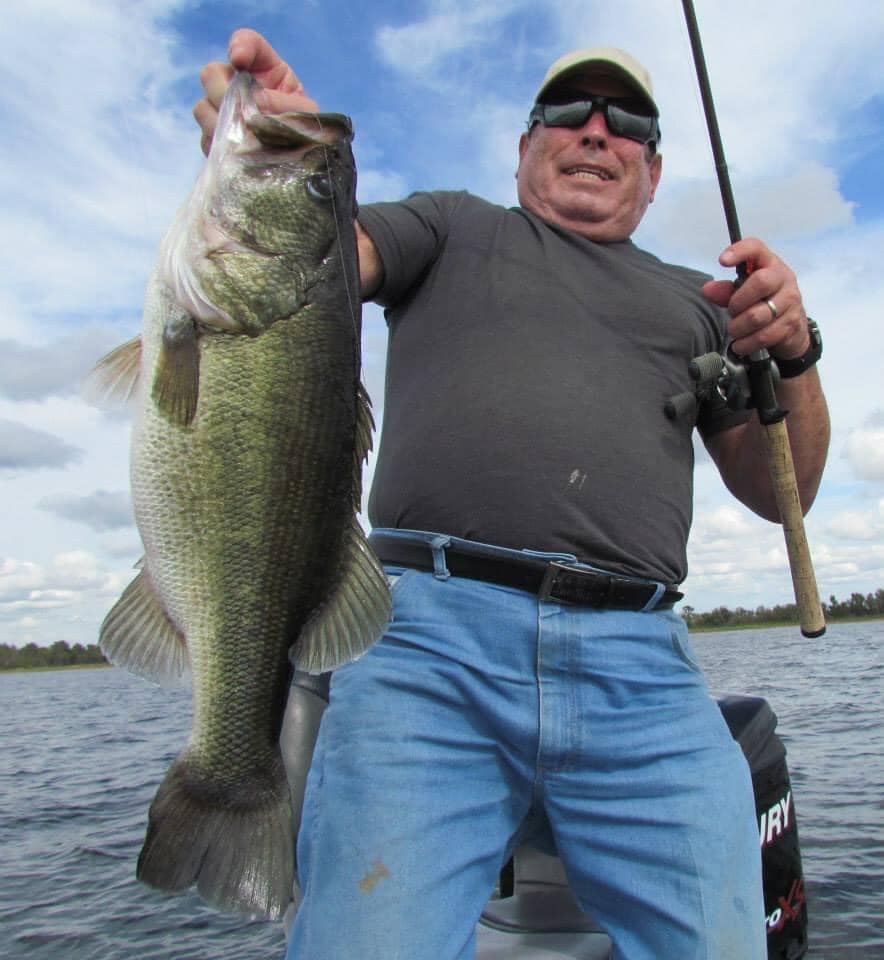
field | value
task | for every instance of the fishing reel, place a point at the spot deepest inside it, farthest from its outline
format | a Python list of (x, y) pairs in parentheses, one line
[(743, 383)]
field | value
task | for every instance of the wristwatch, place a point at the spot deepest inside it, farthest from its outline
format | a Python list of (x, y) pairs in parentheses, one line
[(795, 366)]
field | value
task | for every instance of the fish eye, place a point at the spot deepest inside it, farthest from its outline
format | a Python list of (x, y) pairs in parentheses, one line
[(319, 186)]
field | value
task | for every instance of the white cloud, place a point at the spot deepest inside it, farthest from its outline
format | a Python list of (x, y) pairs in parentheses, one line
[(63, 599), (93, 180), (24, 448), (421, 49), (43, 600), (57, 368), (865, 452), (19, 577), (101, 510), (858, 524), (687, 215), (375, 185), (106, 149), (78, 569), (725, 522)]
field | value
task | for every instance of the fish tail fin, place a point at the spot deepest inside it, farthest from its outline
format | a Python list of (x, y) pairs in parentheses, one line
[(353, 617), (235, 843)]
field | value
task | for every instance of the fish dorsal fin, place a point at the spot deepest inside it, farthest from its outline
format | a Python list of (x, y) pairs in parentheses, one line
[(364, 430), (353, 617), (137, 634), (115, 378)]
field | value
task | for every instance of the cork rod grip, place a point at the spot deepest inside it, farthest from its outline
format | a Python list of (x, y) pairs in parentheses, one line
[(782, 475)]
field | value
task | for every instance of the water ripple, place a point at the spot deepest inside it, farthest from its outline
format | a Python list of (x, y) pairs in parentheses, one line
[(85, 750)]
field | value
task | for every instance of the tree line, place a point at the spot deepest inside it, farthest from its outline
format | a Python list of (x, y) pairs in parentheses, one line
[(857, 607), (59, 654)]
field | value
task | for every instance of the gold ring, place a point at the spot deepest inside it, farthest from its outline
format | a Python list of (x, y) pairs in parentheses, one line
[(773, 308)]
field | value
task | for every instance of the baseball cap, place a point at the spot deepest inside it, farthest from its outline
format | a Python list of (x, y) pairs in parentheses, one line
[(606, 60)]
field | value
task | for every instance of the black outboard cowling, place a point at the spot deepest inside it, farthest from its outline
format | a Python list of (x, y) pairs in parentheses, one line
[(753, 723)]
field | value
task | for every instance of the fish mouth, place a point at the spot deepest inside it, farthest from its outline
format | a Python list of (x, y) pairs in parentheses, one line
[(299, 129), (588, 171), (292, 129)]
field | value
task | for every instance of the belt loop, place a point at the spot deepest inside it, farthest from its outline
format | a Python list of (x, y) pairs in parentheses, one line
[(437, 546), (659, 590)]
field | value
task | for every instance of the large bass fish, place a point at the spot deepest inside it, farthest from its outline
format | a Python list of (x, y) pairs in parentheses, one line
[(247, 453)]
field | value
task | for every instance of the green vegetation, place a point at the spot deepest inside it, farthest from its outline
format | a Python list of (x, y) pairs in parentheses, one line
[(60, 654), (858, 607)]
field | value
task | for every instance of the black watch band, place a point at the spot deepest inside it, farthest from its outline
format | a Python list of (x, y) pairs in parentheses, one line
[(795, 366)]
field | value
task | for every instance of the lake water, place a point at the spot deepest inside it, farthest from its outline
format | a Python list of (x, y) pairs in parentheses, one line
[(82, 752)]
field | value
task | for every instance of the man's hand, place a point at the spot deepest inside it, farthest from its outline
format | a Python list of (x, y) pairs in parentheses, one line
[(250, 51), (755, 324)]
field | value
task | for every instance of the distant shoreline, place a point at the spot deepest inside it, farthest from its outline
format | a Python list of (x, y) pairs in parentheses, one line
[(61, 666), (695, 630), (773, 625)]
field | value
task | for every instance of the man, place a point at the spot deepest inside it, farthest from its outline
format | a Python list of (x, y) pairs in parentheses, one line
[(531, 352)]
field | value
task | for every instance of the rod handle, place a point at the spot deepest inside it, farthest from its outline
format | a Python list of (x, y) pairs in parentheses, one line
[(782, 475)]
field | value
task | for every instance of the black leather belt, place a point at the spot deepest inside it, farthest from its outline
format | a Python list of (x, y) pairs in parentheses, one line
[(549, 579)]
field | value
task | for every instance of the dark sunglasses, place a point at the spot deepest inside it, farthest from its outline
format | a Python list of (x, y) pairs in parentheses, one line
[(625, 118)]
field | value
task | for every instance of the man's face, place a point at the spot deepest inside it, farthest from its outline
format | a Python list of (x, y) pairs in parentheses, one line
[(585, 178)]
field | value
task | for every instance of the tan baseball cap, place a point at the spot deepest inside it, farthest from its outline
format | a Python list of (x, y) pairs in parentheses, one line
[(601, 60)]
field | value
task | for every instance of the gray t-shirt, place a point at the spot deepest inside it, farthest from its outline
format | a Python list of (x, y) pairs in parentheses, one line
[(527, 372)]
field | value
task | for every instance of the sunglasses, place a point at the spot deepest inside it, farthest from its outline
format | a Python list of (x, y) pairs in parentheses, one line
[(624, 117)]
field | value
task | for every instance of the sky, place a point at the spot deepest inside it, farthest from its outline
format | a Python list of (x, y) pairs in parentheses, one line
[(101, 149)]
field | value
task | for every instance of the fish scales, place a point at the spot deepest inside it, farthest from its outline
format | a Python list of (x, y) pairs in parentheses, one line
[(246, 473)]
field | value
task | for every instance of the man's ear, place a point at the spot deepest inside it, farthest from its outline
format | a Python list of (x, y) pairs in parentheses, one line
[(656, 171)]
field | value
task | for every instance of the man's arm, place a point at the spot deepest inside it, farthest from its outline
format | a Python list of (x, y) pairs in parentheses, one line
[(283, 91), (740, 453)]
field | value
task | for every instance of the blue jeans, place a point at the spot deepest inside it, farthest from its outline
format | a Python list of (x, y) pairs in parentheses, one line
[(485, 712)]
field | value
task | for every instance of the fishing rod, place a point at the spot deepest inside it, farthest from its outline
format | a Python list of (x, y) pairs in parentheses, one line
[(761, 383)]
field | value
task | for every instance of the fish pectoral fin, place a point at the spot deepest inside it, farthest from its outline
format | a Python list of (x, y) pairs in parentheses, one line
[(353, 617), (115, 377), (177, 380), (137, 634)]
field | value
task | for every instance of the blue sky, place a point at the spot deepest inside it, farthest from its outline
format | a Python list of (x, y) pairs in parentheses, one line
[(101, 149)]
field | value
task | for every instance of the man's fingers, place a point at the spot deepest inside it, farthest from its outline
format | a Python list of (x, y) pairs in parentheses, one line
[(206, 116), (275, 101), (281, 90), (249, 50), (718, 291), (215, 78)]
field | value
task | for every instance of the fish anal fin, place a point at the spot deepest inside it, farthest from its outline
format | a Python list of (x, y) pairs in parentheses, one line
[(137, 634), (114, 379), (177, 378), (354, 615)]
